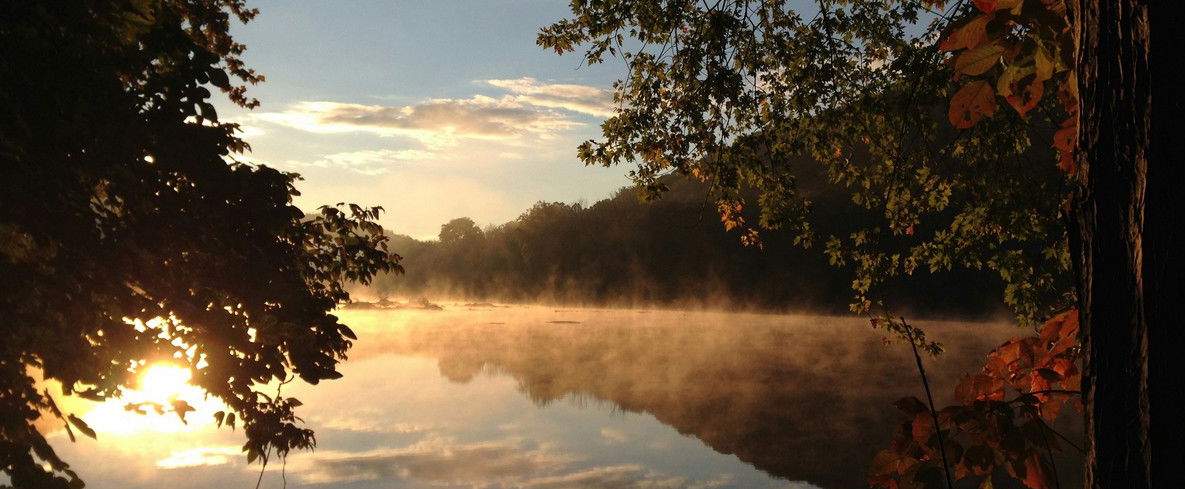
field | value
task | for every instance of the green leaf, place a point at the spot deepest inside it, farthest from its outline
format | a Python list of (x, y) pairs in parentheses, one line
[(977, 61)]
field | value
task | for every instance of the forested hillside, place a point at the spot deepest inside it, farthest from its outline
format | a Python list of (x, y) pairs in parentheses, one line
[(625, 252)]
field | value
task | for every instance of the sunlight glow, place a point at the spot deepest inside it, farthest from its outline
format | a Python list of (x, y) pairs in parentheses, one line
[(163, 381), (159, 386)]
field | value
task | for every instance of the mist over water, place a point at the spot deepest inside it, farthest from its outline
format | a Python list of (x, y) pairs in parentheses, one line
[(543, 397), (797, 397)]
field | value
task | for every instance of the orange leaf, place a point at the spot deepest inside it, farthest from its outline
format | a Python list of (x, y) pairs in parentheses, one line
[(1050, 409), (1035, 473), (889, 462), (979, 388), (968, 35), (1028, 98), (971, 103), (1064, 140)]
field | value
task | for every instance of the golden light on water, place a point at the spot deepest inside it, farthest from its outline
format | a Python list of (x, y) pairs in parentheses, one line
[(158, 385)]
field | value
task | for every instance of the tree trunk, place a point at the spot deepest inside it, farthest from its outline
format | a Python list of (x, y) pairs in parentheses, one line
[(1164, 216), (1128, 240)]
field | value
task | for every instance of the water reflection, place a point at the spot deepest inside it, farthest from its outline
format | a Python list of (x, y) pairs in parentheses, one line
[(798, 397), (543, 398)]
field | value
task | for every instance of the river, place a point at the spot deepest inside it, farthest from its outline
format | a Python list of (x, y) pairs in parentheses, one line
[(486, 396)]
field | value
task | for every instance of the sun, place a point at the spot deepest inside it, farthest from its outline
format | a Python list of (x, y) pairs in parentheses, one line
[(159, 384)]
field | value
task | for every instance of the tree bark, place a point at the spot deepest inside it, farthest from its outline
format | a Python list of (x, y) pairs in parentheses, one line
[(1127, 242)]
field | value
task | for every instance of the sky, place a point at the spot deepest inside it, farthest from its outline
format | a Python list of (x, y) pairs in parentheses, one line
[(432, 109)]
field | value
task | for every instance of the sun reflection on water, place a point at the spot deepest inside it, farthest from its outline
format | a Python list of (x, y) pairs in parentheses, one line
[(159, 386)]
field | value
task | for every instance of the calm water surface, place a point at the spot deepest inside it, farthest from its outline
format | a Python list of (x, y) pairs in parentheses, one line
[(546, 398)]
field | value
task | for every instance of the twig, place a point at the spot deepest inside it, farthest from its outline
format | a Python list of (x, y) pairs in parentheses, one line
[(1046, 391), (1059, 435), (263, 467), (929, 398)]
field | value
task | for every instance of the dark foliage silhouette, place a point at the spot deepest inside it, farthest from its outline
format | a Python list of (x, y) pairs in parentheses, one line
[(121, 201), (625, 252)]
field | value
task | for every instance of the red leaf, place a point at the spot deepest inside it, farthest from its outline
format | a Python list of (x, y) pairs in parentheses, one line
[(922, 428), (979, 388), (986, 6)]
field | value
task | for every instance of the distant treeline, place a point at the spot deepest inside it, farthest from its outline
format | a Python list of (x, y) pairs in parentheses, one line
[(622, 251)]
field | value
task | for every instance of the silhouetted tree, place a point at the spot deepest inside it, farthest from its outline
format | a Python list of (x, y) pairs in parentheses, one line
[(459, 230), (121, 203)]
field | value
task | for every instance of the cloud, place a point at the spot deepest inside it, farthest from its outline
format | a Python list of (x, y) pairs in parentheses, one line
[(366, 162), (435, 123), (366, 424), (614, 435), (801, 485), (720, 480), (630, 476), (576, 98), (198, 457), (433, 461)]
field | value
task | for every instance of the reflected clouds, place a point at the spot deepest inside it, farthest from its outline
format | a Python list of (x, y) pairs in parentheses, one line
[(630, 476), (505, 464), (505, 399), (799, 397), (437, 461), (372, 422), (201, 456), (616, 436)]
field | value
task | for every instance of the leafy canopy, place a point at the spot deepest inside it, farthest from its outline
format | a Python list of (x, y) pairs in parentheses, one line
[(121, 203), (742, 93), (733, 92)]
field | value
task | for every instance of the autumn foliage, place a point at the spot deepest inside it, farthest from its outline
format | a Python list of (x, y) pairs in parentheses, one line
[(1016, 50), (1001, 422)]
